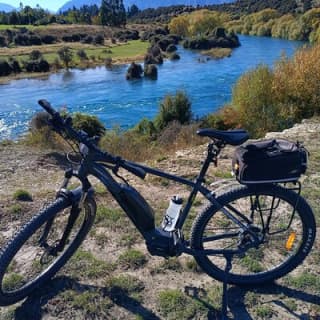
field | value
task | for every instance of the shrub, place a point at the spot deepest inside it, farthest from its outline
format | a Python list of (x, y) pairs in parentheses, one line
[(151, 71), (254, 102), (48, 39), (82, 54), (5, 69), (3, 41), (34, 40), (87, 39), (171, 48), (35, 55), (172, 108), (90, 124), (22, 195), (99, 39), (37, 66), (134, 71), (108, 62), (66, 56)]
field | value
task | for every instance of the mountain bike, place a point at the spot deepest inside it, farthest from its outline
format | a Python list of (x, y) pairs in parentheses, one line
[(248, 234)]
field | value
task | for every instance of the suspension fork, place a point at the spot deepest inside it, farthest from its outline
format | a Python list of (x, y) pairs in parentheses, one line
[(77, 205)]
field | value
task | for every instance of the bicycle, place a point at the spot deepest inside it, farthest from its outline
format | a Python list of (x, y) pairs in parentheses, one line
[(248, 235)]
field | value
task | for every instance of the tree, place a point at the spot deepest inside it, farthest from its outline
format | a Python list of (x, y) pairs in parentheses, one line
[(112, 13), (133, 10), (172, 108), (66, 55), (105, 12)]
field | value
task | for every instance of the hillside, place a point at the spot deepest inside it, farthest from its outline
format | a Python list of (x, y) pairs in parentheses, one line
[(144, 4), (250, 6), (6, 7), (101, 282)]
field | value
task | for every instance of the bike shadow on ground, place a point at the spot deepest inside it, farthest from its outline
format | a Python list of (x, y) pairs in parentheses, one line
[(237, 306), (48, 299)]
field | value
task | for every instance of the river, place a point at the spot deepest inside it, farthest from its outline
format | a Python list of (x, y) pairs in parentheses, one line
[(118, 102)]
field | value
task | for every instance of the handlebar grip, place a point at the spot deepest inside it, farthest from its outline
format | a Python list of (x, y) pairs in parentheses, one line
[(139, 172), (47, 106)]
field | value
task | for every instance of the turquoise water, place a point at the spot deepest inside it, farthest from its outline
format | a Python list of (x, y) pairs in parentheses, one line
[(116, 101)]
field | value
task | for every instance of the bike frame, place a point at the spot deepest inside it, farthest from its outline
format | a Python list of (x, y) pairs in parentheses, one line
[(95, 164)]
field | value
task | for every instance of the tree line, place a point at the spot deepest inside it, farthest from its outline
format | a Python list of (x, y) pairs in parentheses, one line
[(110, 12)]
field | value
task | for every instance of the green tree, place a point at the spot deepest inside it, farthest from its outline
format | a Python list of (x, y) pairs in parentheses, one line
[(105, 12), (255, 103), (112, 13), (172, 108), (66, 56)]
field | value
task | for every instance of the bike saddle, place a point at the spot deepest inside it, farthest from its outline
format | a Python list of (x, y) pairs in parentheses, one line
[(233, 137)]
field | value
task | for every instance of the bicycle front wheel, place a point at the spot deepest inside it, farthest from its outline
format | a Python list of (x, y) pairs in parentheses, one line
[(282, 221), (42, 247)]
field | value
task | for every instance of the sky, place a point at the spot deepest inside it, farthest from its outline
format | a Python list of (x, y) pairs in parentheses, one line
[(52, 5)]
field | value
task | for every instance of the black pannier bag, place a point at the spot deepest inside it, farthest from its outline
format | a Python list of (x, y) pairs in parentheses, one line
[(269, 161)]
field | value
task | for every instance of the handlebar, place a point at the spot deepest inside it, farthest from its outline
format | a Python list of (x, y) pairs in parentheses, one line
[(61, 124)]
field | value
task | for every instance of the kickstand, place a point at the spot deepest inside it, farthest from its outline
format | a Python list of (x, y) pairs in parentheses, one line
[(225, 287)]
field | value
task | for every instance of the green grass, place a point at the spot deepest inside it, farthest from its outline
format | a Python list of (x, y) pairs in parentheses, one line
[(129, 50), (22, 195), (12, 281), (121, 287), (90, 303), (263, 312), (304, 281), (16, 209), (175, 305), (12, 26), (132, 259), (85, 265)]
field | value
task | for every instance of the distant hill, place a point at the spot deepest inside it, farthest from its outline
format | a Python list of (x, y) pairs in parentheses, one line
[(251, 6), (144, 4), (6, 7)]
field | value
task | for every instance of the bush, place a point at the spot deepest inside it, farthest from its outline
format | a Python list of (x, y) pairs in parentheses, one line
[(5, 68), (87, 39), (48, 39), (90, 124), (99, 39), (134, 71), (3, 41), (66, 55), (37, 66), (253, 100), (82, 54), (172, 108), (14, 65), (34, 40), (151, 71), (35, 55), (22, 195)]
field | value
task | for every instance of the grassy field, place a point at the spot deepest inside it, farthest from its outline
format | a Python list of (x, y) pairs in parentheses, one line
[(120, 52)]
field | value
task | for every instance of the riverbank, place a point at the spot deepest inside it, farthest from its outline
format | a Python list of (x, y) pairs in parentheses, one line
[(112, 54)]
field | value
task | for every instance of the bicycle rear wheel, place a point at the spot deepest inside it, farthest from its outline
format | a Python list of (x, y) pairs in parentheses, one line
[(282, 220), (42, 247)]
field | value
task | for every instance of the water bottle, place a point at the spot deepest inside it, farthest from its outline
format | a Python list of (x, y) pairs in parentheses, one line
[(172, 214)]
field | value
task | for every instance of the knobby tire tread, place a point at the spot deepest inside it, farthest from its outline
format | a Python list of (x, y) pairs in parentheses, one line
[(8, 253)]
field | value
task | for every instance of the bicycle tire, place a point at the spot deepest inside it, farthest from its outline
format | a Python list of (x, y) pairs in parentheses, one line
[(256, 265), (13, 287)]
